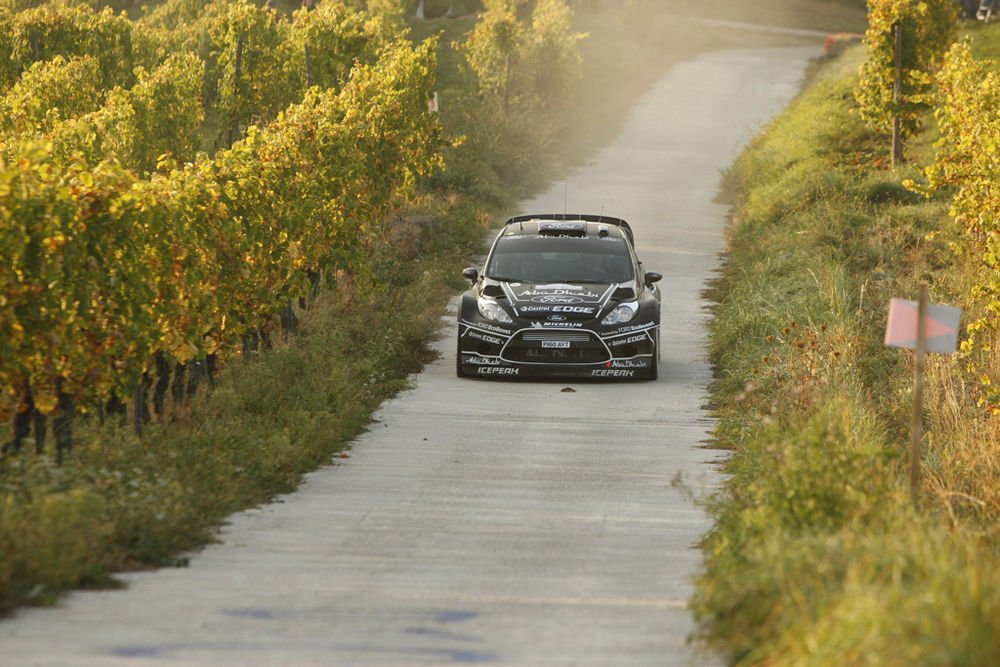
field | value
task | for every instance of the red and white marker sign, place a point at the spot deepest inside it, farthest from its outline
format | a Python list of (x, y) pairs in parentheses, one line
[(942, 326)]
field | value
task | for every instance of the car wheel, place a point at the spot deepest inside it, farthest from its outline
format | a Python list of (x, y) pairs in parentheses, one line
[(459, 371), (654, 366)]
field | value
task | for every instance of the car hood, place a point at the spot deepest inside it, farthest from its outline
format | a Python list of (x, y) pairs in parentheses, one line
[(572, 301)]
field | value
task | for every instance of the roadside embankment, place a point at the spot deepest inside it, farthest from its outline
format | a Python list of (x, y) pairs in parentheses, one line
[(818, 556)]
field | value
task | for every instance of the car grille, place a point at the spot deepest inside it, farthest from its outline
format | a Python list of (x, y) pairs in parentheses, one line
[(583, 348)]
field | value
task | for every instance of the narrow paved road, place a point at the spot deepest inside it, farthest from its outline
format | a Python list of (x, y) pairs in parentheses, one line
[(485, 522)]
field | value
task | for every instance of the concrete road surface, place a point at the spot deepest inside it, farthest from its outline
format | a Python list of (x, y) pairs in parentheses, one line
[(485, 522)]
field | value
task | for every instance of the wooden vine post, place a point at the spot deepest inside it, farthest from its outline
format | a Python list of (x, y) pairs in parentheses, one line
[(897, 96), (234, 127), (309, 6)]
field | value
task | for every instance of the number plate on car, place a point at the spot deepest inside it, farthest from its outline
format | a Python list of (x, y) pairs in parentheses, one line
[(557, 344)]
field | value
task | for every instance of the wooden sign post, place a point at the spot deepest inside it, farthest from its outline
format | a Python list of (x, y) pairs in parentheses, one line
[(917, 420), (923, 328)]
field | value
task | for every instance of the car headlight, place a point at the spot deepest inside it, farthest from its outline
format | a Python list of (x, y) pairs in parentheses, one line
[(492, 311), (622, 313)]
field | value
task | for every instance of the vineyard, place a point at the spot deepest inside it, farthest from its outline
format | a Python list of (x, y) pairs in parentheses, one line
[(182, 190), (128, 243), (173, 185)]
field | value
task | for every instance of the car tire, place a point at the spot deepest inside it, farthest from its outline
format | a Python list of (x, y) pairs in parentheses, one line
[(654, 367), (459, 371)]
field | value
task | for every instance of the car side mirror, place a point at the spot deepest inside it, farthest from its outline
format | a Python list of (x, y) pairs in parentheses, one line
[(471, 274), (652, 277)]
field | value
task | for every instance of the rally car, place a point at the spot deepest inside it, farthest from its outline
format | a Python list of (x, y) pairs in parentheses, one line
[(561, 295)]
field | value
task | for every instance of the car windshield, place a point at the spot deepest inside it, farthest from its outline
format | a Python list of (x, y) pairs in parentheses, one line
[(533, 259)]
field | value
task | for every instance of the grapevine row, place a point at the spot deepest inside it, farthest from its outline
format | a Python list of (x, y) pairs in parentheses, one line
[(968, 160), (119, 251)]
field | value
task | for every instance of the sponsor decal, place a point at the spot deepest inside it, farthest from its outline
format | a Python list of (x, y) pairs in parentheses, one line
[(568, 290), (564, 226), (629, 363), (498, 370), (483, 361), (533, 309), (580, 310), (557, 318), (557, 294), (487, 327), (485, 337), (636, 327), (630, 339), (610, 373), (560, 325), (553, 298)]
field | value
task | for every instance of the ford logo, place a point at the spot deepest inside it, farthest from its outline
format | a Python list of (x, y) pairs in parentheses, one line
[(557, 318), (556, 299)]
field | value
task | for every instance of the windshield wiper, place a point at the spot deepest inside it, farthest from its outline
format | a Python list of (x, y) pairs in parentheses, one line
[(505, 280)]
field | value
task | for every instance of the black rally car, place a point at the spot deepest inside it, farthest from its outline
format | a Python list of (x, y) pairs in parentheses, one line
[(561, 295)]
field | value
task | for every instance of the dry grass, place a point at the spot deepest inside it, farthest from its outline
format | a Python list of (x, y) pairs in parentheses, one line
[(963, 448)]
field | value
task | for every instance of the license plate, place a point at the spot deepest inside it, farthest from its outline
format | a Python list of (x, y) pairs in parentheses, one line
[(555, 344)]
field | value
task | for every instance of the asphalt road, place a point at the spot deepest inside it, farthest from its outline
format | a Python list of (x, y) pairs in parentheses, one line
[(486, 522)]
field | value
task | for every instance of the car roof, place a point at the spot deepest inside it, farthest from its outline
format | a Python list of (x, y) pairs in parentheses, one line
[(568, 224)]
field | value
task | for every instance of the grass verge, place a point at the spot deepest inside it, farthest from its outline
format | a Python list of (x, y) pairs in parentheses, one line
[(817, 556)]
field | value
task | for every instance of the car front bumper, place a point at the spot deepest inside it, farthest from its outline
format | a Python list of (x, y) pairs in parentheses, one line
[(560, 350)]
